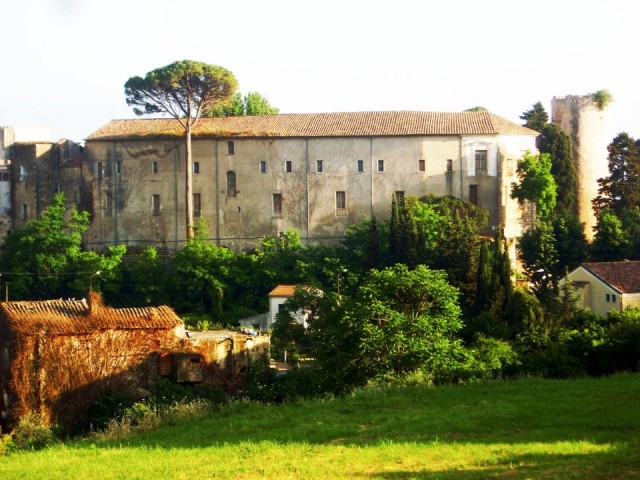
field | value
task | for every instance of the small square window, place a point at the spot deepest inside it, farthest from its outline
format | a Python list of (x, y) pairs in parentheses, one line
[(319, 166), (263, 166), (288, 167), (154, 167), (360, 166), (421, 166), (230, 148), (196, 168), (381, 165)]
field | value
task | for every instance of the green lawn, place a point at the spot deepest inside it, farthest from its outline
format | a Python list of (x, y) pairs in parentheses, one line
[(537, 429)]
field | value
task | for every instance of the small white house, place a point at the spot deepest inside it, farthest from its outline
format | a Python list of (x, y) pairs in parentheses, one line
[(277, 299), (604, 286)]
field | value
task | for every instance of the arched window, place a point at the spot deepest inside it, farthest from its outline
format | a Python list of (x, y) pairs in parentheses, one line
[(231, 183)]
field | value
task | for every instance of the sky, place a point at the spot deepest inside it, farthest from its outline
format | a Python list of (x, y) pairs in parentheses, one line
[(65, 62)]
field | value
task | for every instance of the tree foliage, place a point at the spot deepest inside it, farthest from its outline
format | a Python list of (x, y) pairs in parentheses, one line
[(400, 320), (554, 141), (536, 183), (621, 189), (183, 90), (253, 103), (536, 117), (45, 259)]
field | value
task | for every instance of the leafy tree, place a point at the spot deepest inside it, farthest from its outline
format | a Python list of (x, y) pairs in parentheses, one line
[(45, 258), (611, 242), (366, 245), (570, 242), (602, 98), (537, 250), (182, 90), (535, 118), (536, 183), (252, 103), (399, 320), (147, 273), (621, 189), (200, 273), (554, 141)]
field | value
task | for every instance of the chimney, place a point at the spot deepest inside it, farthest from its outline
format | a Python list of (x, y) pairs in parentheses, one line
[(94, 303)]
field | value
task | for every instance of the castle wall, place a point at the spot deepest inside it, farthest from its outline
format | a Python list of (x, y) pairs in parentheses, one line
[(591, 132)]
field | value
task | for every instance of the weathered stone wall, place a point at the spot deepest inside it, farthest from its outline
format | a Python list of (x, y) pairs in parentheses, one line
[(591, 132)]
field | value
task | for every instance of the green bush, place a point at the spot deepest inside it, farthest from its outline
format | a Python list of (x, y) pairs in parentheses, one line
[(32, 433)]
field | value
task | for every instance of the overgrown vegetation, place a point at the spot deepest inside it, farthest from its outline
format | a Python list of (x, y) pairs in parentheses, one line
[(527, 428)]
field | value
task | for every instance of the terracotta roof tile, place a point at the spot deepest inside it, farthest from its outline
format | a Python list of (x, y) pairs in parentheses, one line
[(283, 291), (623, 276), (348, 124), (71, 317)]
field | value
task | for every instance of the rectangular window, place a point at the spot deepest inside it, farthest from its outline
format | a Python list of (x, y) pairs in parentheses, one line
[(196, 205), (117, 167), (473, 194), (155, 205), (608, 297), (23, 173), (263, 166), (25, 211), (360, 166), (108, 204), (196, 168), (319, 166), (510, 167), (341, 203), (230, 148), (4, 176), (154, 167), (99, 171), (400, 197), (381, 165), (288, 166), (613, 298), (481, 160), (449, 165), (232, 188), (422, 165), (277, 204)]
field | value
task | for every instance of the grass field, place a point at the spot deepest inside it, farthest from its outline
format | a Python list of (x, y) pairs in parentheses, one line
[(523, 429)]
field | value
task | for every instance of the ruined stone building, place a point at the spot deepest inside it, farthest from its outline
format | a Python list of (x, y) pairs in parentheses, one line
[(317, 173), (591, 132)]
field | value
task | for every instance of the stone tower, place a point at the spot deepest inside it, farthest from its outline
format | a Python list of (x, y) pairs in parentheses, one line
[(591, 132)]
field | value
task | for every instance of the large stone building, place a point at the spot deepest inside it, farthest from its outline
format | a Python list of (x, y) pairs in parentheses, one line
[(317, 173)]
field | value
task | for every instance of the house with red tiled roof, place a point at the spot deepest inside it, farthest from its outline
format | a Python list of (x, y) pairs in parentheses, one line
[(605, 286), (277, 302), (316, 173)]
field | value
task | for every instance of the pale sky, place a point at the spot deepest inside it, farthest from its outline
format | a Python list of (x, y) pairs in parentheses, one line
[(65, 62)]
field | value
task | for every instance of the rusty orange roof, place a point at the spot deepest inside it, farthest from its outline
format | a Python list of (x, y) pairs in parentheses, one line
[(72, 317), (348, 124), (283, 291)]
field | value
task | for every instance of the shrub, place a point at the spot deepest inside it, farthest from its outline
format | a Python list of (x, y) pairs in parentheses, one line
[(32, 433)]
